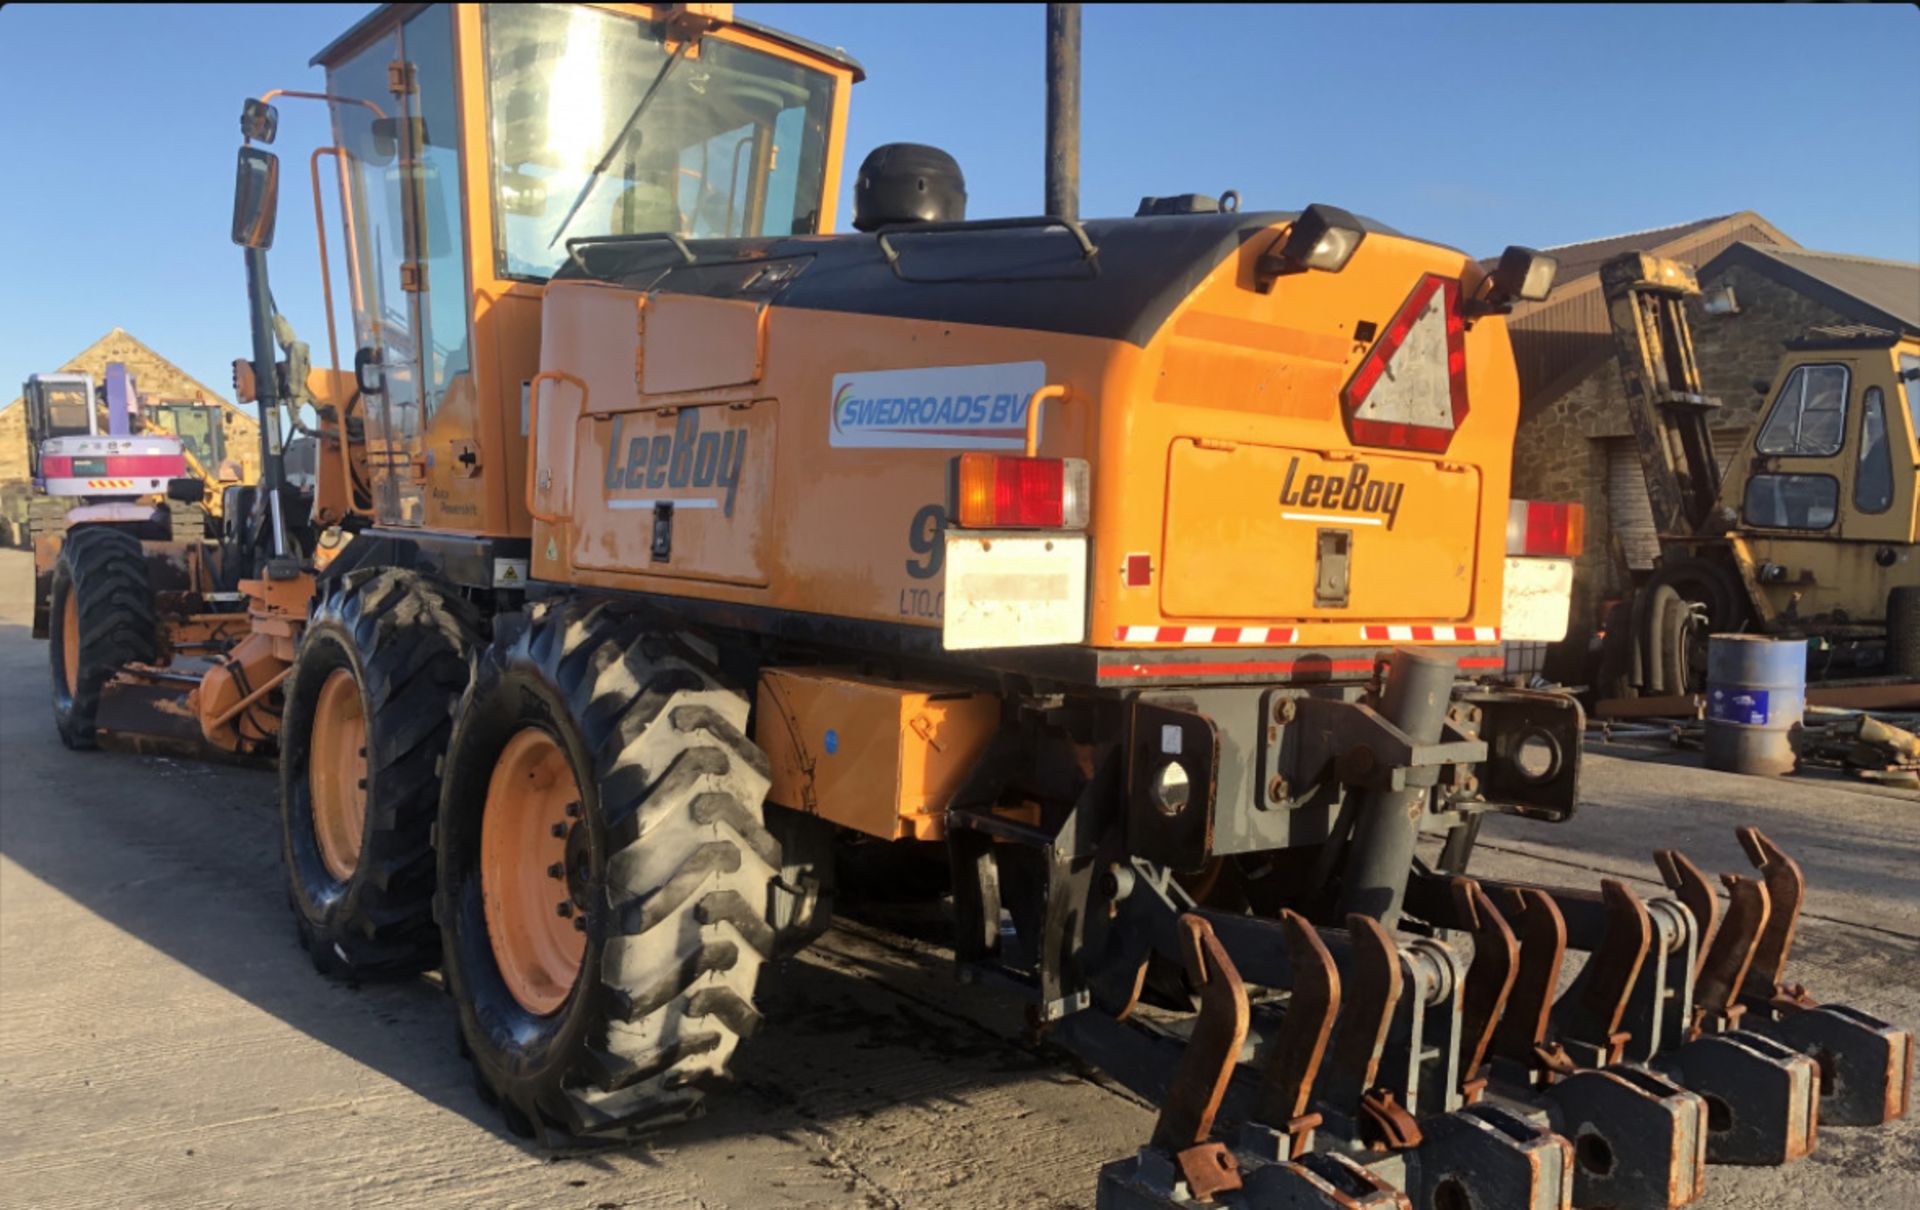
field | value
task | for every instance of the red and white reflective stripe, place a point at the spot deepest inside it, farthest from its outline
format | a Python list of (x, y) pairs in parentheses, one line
[(1430, 634), (1219, 635), (94, 487)]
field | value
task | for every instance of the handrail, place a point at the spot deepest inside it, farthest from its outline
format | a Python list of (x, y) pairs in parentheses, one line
[(1051, 391), (641, 237), (1089, 251), (533, 434), (320, 229), (329, 97)]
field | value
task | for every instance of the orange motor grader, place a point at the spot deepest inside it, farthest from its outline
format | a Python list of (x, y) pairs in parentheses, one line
[(1151, 571)]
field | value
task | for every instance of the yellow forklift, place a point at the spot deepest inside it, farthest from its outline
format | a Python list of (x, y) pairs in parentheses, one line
[(1812, 531)]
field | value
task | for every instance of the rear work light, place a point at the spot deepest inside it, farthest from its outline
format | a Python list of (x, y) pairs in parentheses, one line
[(1537, 528), (998, 491)]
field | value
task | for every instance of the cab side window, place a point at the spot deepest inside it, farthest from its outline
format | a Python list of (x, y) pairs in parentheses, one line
[(1809, 415), (1873, 478), (441, 238)]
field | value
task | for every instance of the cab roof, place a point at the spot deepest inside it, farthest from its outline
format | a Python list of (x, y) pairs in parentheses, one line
[(393, 14)]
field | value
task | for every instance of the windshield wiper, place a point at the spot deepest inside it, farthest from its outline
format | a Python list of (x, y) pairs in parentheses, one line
[(613, 148)]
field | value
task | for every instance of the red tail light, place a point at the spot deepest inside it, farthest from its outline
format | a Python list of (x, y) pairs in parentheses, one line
[(1003, 492), (1537, 528)]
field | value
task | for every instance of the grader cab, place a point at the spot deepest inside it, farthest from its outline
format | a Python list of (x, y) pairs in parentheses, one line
[(1151, 570)]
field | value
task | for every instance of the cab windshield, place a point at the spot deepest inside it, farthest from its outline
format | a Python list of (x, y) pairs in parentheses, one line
[(731, 142), (66, 404), (197, 428)]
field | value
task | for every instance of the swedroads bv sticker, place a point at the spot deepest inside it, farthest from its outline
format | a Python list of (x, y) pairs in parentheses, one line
[(979, 407)]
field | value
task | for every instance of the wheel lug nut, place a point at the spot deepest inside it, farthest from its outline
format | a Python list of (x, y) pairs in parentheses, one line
[(573, 810), (579, 924), (556, 870), (559, 829), (564, 908)]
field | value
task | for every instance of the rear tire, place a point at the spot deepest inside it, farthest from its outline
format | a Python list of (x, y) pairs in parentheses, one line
[(1903, 631), (393, 646), (669, 873), (102, 617)]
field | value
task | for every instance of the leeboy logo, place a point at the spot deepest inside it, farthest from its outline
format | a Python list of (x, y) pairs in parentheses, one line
[(1354, 492), (685, 458)]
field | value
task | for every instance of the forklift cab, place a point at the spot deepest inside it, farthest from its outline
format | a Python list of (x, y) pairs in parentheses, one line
[(58, 405), (1824, 489), (471, 146), (1834, 452)]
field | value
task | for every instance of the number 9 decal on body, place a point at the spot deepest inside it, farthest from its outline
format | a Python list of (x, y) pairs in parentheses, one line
[(927, 538)]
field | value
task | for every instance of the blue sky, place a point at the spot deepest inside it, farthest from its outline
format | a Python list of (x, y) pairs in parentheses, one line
[(1473, 126)]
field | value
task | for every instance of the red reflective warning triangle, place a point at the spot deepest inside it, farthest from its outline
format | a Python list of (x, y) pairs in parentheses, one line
[(1410, 391)]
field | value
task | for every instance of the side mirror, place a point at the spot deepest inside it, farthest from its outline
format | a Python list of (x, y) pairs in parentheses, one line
[(368, 374), (256, 195), (259, 121)]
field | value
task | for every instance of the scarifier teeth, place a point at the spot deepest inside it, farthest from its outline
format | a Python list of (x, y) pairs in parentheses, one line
[(1865, 1065), (1681, 1042)]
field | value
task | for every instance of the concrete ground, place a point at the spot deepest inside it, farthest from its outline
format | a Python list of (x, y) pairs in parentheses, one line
[(163, 1043)]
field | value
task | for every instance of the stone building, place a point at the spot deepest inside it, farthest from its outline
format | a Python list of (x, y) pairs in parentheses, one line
[(157, 380)]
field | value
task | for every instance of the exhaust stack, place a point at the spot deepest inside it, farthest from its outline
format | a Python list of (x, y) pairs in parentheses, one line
[(1063, 110)]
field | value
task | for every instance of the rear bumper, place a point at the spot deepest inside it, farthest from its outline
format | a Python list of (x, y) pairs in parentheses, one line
[(1155, 667)]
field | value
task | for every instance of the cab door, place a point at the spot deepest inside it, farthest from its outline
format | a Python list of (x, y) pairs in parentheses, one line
[(1882, 458), (1795, 471), (396, 123)]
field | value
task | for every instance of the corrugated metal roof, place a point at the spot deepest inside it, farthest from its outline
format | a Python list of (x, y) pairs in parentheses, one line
[(1882, 293), (1557, 341), (1578, 260)]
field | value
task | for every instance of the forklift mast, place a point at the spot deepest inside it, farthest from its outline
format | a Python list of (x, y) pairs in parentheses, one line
[(1667, 407)]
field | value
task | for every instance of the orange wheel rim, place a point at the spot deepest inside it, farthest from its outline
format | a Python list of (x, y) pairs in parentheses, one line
[(337, 773), (70, 642), (532, 866)]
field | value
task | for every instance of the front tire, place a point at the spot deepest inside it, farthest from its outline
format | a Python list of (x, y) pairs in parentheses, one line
[(102, 617), (605, 875), (369, 711)]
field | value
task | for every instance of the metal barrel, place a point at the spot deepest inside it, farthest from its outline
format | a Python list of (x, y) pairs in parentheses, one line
[(1756, 697)]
